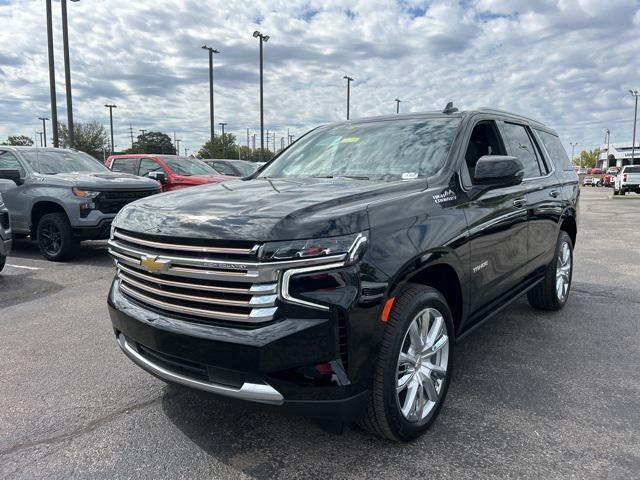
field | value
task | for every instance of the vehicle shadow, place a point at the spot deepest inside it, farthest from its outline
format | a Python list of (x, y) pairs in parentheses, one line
[(90, 252), (490, 369)]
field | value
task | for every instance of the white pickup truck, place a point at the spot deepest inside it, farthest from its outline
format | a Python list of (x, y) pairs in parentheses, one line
[(628, 180)]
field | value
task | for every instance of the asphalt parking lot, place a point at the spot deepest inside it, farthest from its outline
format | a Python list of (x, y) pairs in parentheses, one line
[(534, 395)]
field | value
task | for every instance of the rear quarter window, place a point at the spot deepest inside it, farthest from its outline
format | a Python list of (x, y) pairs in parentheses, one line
[(125, 165), (558, 154)]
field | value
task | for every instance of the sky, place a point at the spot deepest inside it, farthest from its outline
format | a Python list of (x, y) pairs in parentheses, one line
[(567, 63)]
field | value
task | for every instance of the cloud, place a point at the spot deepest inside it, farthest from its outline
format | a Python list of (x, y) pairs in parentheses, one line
[(565, 62)]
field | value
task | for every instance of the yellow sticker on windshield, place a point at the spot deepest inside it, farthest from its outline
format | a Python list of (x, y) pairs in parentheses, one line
[(349, 140)]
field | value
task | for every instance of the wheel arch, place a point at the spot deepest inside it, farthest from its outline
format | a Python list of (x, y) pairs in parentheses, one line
[(441, 270), (569, 223), (41, 208)]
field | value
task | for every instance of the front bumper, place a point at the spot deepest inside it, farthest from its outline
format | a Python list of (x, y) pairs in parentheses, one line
[(264, 365)]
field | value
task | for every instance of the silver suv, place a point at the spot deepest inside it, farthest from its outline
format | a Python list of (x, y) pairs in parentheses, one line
[(61, 197)]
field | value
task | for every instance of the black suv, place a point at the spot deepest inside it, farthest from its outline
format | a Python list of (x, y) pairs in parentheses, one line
[(334, 281)]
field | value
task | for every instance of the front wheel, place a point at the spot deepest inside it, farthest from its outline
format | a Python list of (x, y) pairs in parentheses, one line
[(55, 237), (414, 366), (552, 293)]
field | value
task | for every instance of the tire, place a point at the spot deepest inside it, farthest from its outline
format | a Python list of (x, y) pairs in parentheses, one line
[(3, 259), (55, 237), (384, 416), (622, 192), (615, 192), (546, 294)]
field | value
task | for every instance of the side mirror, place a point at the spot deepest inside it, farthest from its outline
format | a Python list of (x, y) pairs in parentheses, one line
[(498, 171), (158, 177), (11, 174), (6, 185)]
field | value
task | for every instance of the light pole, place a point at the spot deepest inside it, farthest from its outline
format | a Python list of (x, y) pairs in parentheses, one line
[(349, 80), (52, 76), (111, 107), (263, 38), (67, 72), (573, 144), (44, 128), (40, 133), (211, 121), (635, 118), (607, 133), (224, 152), (177, 142), (397, 105)]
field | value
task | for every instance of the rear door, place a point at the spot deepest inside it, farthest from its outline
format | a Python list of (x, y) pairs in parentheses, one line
[(541, 190)]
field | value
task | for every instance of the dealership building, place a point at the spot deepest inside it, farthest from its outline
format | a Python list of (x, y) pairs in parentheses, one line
[(618, 155)]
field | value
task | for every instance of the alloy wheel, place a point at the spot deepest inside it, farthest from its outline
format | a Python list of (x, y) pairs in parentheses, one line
[(51, 238), (422, 365), (563, 271)]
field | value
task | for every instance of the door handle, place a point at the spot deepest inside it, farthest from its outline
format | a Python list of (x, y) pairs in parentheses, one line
[(519, 202), (554, 193)]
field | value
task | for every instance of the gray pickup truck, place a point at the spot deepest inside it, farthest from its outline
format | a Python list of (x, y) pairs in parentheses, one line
[(60, 197)]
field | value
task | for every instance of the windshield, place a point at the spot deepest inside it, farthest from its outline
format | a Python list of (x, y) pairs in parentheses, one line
[(245, 168), (633, 169), (385, 150), (63, 161), (188, 166)]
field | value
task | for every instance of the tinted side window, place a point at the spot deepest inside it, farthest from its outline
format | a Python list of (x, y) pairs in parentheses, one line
[(224, 168), (148, 165), (9, 160), (554, 146), (125, 165), (520, 145), (485, 140)]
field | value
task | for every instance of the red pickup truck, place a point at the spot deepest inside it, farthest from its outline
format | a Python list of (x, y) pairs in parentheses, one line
[(172, 171)]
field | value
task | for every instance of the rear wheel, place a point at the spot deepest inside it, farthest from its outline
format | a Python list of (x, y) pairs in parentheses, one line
[(55, 237), (414, 366), (3, 259), (553, 291)]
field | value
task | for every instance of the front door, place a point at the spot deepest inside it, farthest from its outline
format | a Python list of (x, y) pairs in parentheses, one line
[(13, 197), (497, 221)]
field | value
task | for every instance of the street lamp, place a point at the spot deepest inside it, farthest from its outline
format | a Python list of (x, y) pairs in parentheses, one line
[(67, 72), (573, 144), (40, 133), (397, 105), (44, 128), (635, 118), (52, 76), (224, 152), (349, 80), (263, 38), (111, 107), (211, 121)]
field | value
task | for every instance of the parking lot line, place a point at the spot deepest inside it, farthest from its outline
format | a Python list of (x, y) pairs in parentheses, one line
[(23, 266)]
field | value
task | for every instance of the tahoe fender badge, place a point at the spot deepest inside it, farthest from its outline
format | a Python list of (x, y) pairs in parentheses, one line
[(153, 264)]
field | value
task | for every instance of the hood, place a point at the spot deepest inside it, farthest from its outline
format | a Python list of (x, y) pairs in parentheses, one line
[(261, 209), (104, 181), (200, 179)]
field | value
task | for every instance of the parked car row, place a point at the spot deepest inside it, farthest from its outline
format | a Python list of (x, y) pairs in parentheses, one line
[(628, 180)]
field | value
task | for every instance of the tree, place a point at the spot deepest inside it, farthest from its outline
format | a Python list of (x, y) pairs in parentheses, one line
[(588, 158), (19, 141), (153, 142), (90, 137), (230, 147)]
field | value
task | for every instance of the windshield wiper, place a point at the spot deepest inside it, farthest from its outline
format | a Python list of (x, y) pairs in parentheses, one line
[(353, 177)]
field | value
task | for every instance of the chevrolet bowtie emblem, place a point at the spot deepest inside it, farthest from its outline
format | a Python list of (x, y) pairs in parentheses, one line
[(153, 264)]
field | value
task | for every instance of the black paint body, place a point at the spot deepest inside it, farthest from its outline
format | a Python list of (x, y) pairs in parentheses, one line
[(418, 230)]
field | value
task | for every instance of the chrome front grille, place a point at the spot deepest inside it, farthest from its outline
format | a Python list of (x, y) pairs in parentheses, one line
[(202, 281)]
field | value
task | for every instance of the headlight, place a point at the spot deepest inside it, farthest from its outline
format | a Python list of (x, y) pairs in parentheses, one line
[(84, 193), (313, 248)]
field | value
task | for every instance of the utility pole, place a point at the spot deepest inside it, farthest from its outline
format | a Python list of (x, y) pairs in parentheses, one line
[(254, 142), (224, 150), (573, 144), (52, 76), (177, 142), (263, 38), (67, 73), (44, 128), (635, 119), (274, 142), (211, 120), (608, 137), (111, 107), (267, 141), (247, 138), (397, 105), (144, 140), (288, 137), (131, 133), (349, 80), (281, 143)]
